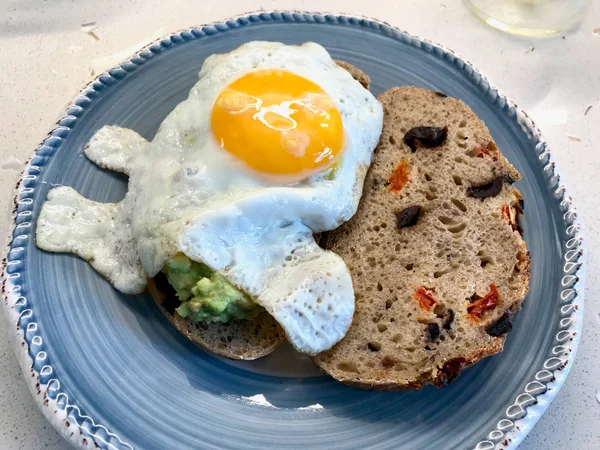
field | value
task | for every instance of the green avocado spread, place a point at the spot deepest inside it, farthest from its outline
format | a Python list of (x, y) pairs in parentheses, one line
[(205, 295)]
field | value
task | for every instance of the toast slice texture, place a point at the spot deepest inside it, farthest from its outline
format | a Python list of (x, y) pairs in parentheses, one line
[(237, 339), (435, 250)]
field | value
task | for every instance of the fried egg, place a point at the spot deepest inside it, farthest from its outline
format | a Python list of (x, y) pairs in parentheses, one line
[(271, 146)]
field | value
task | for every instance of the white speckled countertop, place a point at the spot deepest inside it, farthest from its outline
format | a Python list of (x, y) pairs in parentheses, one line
[(555, 80)]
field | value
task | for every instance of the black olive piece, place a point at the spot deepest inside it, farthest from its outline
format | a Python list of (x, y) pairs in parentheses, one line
[(408, 216), (447, 324), (441, 94), (522, 204), (490, 189), (433, 332), (425, 137), (501, 326), (473, 298)]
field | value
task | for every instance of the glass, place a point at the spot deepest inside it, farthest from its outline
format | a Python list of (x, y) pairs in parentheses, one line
[(529, 17)]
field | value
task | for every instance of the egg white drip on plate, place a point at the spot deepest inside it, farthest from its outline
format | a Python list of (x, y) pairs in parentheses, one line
[(188, 195)]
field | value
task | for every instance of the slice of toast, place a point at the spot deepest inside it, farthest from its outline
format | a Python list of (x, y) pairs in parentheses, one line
[(435, 252), (237, 339)]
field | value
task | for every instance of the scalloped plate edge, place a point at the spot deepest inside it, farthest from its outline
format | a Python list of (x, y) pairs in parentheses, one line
[(83, 432)]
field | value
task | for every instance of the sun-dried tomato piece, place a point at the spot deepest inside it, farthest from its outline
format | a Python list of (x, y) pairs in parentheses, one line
[(450, 371), (423, 296), (399, 177), (477, 307), (480, 152), (506, 213), (512, 214)]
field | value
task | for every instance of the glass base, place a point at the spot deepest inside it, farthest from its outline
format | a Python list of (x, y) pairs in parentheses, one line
[(529, 17)]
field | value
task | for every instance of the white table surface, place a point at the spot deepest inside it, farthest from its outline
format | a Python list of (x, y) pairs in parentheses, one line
[(554, 80)]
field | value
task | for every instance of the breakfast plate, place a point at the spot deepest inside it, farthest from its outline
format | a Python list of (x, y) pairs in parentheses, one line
[(109, 371)]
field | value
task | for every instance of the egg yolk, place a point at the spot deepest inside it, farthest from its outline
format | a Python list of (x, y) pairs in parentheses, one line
[(279, 123)]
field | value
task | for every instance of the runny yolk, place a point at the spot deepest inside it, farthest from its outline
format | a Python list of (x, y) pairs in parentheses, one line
[(279, 123)]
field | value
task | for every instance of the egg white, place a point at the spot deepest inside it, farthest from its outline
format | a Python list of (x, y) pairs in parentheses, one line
[(187, 194)]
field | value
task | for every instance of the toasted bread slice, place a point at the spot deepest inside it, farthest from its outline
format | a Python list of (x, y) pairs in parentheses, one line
[(435, 252), (238, 339), (356, 73)]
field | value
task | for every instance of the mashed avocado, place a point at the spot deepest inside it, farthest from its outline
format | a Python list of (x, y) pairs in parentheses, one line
[(205, 295)]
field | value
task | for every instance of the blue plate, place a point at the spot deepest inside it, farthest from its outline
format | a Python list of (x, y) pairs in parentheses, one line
[(108, 369)]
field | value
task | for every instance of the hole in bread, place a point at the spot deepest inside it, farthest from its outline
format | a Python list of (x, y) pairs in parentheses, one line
[(457, 180), (409, 266), (459, 159), (348, 366), (440, 273), (430, 196), (374, 346), (376, 228), (457, 228), (383, 225), (485, 260), (392, 140), (460, 205), (446, 220), (461, 135), (379, 286), (462, 123), (425, 320), (382, 327), (396, 338), (440, 310), (388, 361), (428, 177), (388, 303)]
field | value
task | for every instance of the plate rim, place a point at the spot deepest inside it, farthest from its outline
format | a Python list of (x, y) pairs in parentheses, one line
[(28, 344)]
